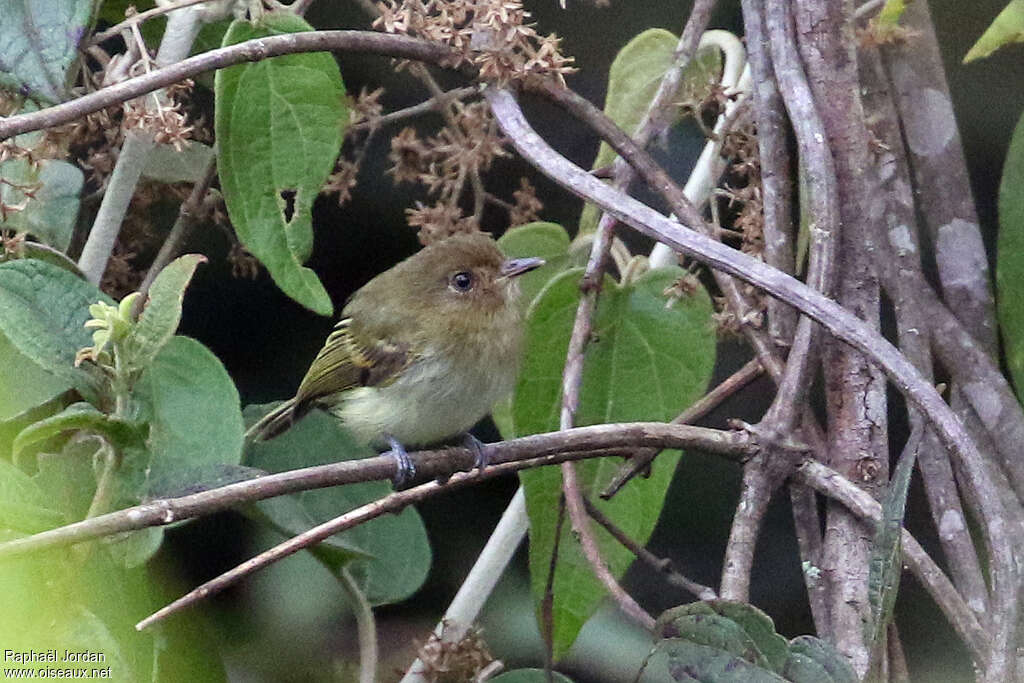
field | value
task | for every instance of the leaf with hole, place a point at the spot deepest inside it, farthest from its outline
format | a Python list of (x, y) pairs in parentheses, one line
[(279, 125), (649, 358)]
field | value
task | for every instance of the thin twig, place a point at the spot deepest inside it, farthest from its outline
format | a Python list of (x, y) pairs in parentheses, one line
[(187, 214), (605, 440), (254, 50), (391, 503), (654, 120), (662, 565), (139, 18)]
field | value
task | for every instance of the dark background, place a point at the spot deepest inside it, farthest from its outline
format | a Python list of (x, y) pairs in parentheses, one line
[(290, 622)]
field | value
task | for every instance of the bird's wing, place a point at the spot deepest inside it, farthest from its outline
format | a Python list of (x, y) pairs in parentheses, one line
[(350, 359)]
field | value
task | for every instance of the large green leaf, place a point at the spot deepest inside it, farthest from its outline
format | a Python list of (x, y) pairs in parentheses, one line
[(24, 507), (633, 80), (548, 241), (1010, 257), (648, 360), (279, 125), (1006, 28), (38, 43), (49, 214), (42, 312), (390, 556), (196, 421), (23, 384)]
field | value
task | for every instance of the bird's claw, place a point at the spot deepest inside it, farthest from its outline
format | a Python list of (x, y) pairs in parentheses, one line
[(405, 471), (481, 451)]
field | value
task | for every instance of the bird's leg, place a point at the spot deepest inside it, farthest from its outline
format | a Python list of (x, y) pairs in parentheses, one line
[(405, 470), (481, 450)]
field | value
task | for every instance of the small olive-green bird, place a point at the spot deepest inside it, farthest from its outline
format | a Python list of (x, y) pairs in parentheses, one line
[(423, 351)]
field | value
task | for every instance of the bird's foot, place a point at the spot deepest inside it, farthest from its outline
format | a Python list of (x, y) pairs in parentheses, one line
[(405, 471), (481, 450)]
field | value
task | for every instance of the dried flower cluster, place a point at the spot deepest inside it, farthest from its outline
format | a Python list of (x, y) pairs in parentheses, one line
[(164, 117), (491, 34), (744, 187), (447, 662)]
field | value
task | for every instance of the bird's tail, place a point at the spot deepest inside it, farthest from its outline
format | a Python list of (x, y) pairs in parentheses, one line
[(273, 423)]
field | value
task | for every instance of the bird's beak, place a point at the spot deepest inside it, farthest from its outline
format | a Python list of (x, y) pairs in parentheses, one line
[(517, 266)]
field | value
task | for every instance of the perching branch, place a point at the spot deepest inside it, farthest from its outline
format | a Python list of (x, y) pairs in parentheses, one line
[(527, 451)]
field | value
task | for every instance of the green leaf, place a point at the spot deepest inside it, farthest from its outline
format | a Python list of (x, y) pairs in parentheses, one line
[(812, 660), (160, 317), (1006, 28), (79, 417), (187, 165), (279, 125), (739, 628), (632, 83), (390, 556), (886, 563), (724, 640), (530, 676), (51, 211), (134, 548), (548, 241), (676, 659), (24, 507), (647, 361), (39, 41), (1010, 257), (196, 420), (42, 311), (23, 384), (891, 12)]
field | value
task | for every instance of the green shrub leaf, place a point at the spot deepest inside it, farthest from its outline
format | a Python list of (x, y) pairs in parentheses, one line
[(647, 361), (632, 83), (42, 312), (389, 556), (1010, 257), (195, 420), (160, 317), (279, 125), (724, 641), (50, 212), (80, 417), (1006, 28), (24, 507)]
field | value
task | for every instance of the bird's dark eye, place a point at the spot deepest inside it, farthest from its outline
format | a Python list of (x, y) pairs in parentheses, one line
[(462, 281)]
